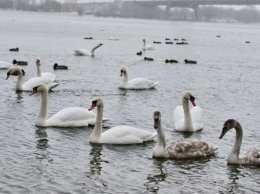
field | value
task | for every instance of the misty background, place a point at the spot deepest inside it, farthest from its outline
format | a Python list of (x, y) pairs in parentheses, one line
[(246, 14)]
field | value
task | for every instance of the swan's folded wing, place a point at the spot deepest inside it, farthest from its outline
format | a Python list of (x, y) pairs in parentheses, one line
[(196, 114), (140, 83), (178, 114), (253, 155)]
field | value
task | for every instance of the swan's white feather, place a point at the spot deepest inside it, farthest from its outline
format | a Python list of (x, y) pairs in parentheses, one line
[(126, 135), (178, 118), (31, 83), (82, 52), (5, 65), (73, 117), (140, 83)]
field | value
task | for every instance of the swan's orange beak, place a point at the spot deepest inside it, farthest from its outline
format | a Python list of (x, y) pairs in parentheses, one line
[(8, 75), (33, 91), (92, 106), (193, 102)]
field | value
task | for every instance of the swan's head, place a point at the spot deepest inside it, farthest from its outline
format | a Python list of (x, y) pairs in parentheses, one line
[(38, 62), (100, 44), (123, 71), (157, 119), (144, 40), (14, 71), (96, 102), (190, 97), (38, 88), (229, 124)]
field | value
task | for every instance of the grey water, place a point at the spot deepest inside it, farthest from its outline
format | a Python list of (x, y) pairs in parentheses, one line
[(225, 82)]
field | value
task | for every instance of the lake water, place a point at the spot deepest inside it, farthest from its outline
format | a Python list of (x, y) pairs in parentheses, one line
[(225, 83)]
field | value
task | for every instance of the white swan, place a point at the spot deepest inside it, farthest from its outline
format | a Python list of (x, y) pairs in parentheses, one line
[(67, 117), (6, 65), (81, 51), (31, 83), (251, 157), (147, 46), (180, 149), (136, 83), (47, 75), (119, 134), (186, 119)]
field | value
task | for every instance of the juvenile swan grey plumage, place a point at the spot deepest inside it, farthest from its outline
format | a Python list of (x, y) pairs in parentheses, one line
[(251, 157), (180, 149)]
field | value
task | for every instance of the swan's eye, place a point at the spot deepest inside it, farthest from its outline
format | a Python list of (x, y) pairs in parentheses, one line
[(192, 98)]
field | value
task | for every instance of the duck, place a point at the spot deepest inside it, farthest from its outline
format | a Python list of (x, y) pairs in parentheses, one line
[(157, 42), (171, 61), (186, 119), (167, 39), (136, 83), (67, 117), (148, 59), (47, 75), (180, 149), (89, 38), (123, 135), (168, 42), (139, 53), (22, 63), (251, 157), (190, 61), (56, 66), (85, 52), (14, 49), (147, 46), (30, 84)]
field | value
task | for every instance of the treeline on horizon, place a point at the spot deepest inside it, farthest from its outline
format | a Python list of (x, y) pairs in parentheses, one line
[(119, 9)]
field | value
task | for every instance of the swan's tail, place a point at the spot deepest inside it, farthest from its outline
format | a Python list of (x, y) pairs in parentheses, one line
[(53, 85), (155, 84), (105, 120), (151, 137)]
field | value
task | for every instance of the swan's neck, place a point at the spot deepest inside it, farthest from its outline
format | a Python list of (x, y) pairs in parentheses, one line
[(92, 51), (160, 137), (234, 155), (187, 116), (38, 70), (125, 79), (43, 110), (96, 133), (19, 80), (144, 43)]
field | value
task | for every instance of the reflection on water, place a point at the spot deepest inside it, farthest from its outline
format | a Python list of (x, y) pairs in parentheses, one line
[(233, 176), (154, 179), (95, 162), (42, 137)]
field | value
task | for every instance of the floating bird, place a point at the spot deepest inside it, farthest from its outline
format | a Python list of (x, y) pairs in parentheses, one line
[(146, 46), (85, 52), (119, 134), (186, 119), (139, 53), (31, 83), (14, 49), (251, 157), (136, 83), (180, 149), (67, 117), (56, 66), (190, 61), (171, 61), (148, 59), (47, 75), (22, 63)]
